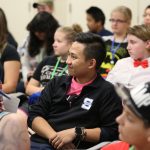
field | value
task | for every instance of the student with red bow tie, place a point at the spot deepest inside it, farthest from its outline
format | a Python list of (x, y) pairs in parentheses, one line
[(135, 69)]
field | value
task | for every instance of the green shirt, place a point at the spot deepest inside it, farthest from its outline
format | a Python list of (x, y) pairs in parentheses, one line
[(131, 148)]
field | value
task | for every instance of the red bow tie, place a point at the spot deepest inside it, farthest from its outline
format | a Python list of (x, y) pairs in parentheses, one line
[(143, 63)]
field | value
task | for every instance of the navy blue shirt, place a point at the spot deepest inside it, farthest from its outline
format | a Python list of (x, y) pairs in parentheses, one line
[(105, 32)]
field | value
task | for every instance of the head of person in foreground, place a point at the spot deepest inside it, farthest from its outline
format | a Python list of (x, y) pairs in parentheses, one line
[(134, 122)]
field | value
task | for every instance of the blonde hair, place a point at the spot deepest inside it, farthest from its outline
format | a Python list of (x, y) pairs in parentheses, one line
[(70, 32), (140, 31), (125, 11)]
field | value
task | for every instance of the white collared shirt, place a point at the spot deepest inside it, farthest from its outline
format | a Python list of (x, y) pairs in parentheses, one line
[(125, 73)]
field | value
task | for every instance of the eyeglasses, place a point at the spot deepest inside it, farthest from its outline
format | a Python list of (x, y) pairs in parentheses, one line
[(145, 15), (117, 21)]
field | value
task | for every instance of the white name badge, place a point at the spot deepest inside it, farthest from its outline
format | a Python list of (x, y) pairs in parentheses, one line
[(87, 103)]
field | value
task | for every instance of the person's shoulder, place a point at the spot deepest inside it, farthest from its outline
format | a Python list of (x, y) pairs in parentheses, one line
[(10, 50), (10, 53), (63, 78), (10, 47), (103, 84), (125, 61), (107, 32), (60, 80), (108, 38), (107, 90), (50, 60), (107, 85)]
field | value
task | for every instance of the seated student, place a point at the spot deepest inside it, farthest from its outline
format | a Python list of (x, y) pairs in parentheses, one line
[(79, 110), (134, 122), (9, 59), (38, 44), (146, 15), (50, 66), (54, 65), (96, 21), (10, 39), (116, 44), (135, 69)]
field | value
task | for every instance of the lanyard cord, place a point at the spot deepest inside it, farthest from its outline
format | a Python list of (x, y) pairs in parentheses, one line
[(64, 69), (113, 50), (55, 68)]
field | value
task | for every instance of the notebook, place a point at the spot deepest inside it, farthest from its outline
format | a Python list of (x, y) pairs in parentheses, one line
[(11, 101)]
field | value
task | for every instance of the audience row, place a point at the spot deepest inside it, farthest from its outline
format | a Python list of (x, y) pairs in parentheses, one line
[(66, 75)]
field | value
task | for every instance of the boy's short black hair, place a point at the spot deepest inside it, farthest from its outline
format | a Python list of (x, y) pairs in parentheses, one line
[(148, 7), (97, 14)]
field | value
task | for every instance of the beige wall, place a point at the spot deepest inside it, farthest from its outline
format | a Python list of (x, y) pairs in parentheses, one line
[(78, 8), (20, 12)]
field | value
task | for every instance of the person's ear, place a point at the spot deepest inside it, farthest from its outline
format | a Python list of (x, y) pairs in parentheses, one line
[(92, 63), (148, 44), (99, 24)]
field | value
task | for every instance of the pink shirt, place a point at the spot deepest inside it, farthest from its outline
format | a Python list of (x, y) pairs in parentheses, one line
[(76, 87)]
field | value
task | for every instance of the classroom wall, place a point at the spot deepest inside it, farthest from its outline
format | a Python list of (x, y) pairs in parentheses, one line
[(20, 12), (78, 9)]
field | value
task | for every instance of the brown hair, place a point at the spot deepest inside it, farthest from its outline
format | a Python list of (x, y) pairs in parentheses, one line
[(148, 7), (3, 29), (140, 31)]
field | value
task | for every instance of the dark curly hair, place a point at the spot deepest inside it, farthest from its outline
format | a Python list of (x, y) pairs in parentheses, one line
[(42, 22)]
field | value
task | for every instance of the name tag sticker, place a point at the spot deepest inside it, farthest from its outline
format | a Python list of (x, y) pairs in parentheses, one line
[(87, 103)]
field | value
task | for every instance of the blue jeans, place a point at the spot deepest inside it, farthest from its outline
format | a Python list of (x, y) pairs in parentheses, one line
[(40, 146)]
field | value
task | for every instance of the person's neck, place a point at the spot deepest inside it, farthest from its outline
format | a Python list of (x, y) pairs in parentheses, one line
[(63, 58), (85, 79), (146, 56), (120, 37), (99, 29)]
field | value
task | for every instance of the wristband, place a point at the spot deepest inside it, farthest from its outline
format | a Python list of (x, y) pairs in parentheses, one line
[(80, 133)]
